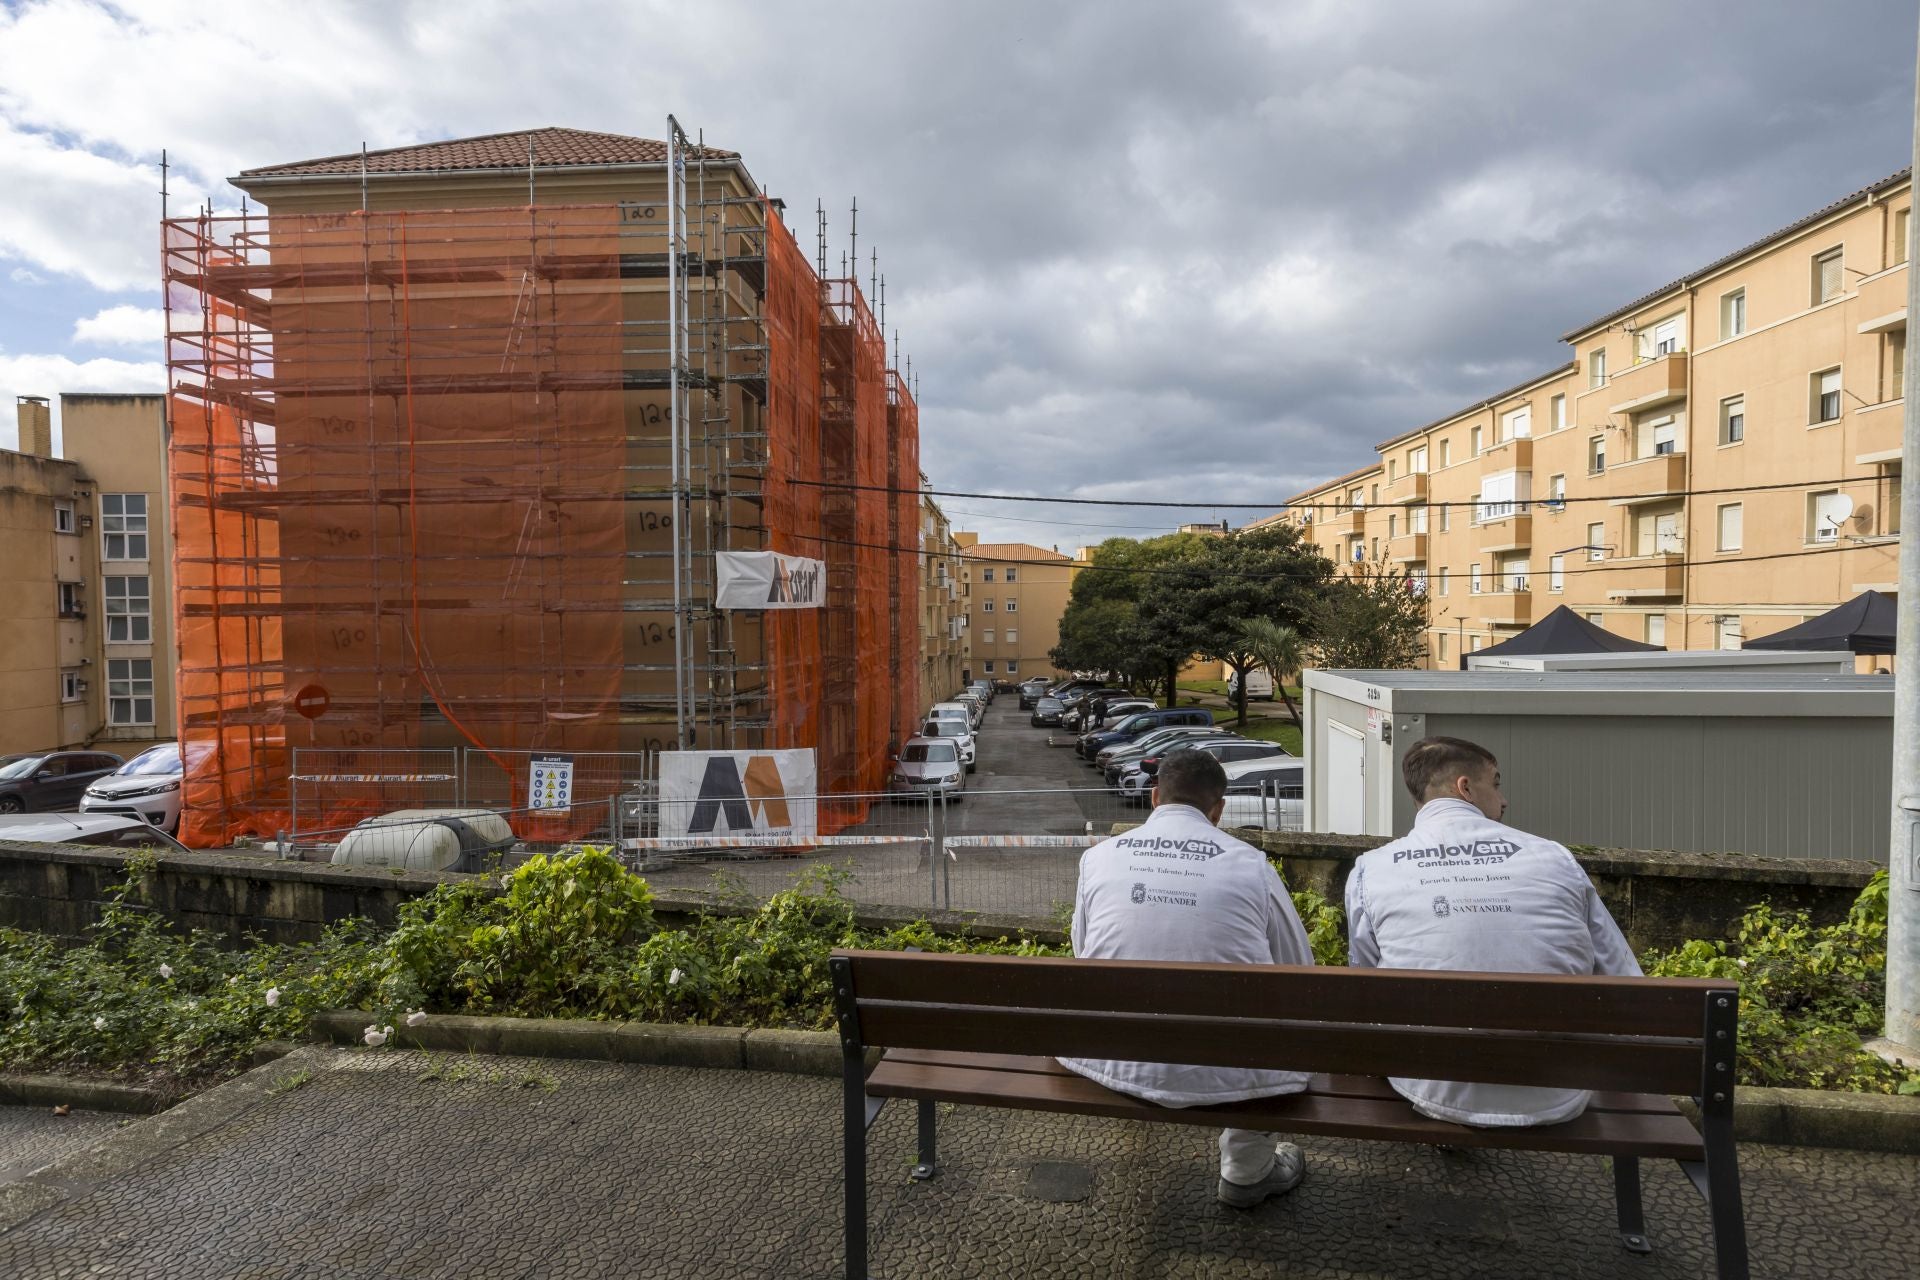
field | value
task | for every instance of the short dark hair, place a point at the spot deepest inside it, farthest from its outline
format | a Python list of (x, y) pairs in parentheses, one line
[(1441, 760), (1191, 777)]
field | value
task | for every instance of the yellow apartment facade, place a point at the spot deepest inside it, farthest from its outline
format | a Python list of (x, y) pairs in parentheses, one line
[(1718, 460), (86, 643), (1016, 594), (943, 607)]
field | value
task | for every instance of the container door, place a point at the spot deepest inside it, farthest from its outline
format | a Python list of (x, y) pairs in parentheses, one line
[(1346, 780)]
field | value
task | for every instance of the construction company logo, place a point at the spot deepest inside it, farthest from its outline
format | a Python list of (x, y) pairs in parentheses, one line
[(752, 801), (1162, 847), (795, 582), (1478, 853), (1441, 907), (1139, 894)]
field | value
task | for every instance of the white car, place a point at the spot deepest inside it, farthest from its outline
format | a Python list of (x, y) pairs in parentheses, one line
[(146, 787), (954, 731), (108, 829), (1267, 794), (929, 766)]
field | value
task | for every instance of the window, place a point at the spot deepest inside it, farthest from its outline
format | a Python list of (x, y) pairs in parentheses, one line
[(1657, 533), (1731, 519), (1010, 572), (1473, 579), (1393, 469), (1557, 573), (1596, 455), (1376, 546), (988, 666), (1733, 420), (1473, 442), (129, 611), (1663, 438), (1596, 542), (1825, 386), (1416, 519), (1663, 339), (70, 600), (1890, 509), (129, 691), (1446, 519), (1512, 573), (1597, 368), (1657, 628), (1733, 314), (1443, 581), (1013, 666), (986, 575), (986, 606), (1357, 499), (986, 637), (70, 687), (1902, 237), (1896, 365), (1013, 635), (1557, 414), (1517, 425), (1726, 631), (1012, 604), (1557, 493), (123, 527), (1596, 619), (1442, 638), (1825, 513), (1393, 525), (1417, 461), (1446, 453), (1373, 494), (1826, 276), (63, 517)]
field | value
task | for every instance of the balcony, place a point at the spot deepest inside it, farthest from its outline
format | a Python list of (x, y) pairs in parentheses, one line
[(1506, 608), (1509, 455), (1876, 435), (1649, 383), (1408, 548), (1880, 304), (1411, 487), (1512, 531), (1641, 577), (1342, 524), (1651, 479)]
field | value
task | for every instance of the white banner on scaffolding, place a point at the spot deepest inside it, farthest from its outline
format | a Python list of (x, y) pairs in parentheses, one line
[(769, 580), (769, 795)]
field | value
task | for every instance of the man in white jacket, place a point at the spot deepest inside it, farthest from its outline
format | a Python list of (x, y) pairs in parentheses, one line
[(1464, 891), (1179, 888)]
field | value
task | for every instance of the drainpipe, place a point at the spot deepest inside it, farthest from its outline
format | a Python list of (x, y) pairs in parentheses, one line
[(1903, 907)]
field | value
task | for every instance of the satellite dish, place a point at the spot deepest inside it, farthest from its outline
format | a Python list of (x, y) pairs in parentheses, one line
[(1841, 511)]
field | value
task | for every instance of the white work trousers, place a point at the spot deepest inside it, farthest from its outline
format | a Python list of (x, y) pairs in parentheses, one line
[(1246, 1155)]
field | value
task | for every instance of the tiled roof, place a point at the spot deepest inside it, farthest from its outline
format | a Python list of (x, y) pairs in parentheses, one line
[(1890, 181), (1485, 403), (553, 148), (1337, 480), (1015, 551)]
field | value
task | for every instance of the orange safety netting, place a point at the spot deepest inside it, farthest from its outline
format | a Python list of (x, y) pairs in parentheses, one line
[(420, 501)]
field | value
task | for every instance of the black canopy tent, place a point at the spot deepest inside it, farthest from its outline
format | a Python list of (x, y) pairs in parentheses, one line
[(1562, 631), (1863, 624)]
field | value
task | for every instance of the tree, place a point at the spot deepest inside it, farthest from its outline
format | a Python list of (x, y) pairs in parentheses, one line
[(1196, 605), (1103, 629), (1373, 619), (1281, 649)]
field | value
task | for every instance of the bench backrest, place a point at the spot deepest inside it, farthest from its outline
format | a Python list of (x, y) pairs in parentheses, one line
[(1652, 1035)]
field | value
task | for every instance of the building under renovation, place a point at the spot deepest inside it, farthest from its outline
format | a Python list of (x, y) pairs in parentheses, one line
[(457, 433)]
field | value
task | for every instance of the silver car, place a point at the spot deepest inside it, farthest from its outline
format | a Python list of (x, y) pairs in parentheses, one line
[(112, 830), (929, 766), (952, 731)]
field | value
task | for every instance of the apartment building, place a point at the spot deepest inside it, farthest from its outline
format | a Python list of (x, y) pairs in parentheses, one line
[(1016, 594), (945, 664), (1718, 459), (85, 643)]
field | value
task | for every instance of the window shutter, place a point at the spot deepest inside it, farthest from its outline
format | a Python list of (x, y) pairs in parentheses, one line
[(1829, 277)]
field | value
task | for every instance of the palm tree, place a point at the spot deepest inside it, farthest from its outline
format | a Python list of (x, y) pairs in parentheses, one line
[(1278, 648)]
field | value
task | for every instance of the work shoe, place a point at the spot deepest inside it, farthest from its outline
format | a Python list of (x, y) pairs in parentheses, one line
[(1289, 1166)]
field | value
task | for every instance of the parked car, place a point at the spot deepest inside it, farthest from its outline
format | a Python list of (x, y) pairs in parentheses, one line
[(146, 787), (109, 829), (1123, 753), (1032, 690), (1087, 701), (959, 711), (929, 766), (953, 732), (1135, 776), (1259, 685), (52, 781), (1265, 793), (984, 688), (1046, 711), (1111, 711), (975, 705), (1139, 723)]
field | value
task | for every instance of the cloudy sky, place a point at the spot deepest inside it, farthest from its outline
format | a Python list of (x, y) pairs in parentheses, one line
[(1197, 251)]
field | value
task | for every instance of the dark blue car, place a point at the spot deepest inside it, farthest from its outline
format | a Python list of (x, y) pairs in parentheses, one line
[(1092, 744)]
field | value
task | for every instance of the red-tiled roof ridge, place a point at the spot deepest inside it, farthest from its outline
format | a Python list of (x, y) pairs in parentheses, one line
[(554, 147), (1013, 551)]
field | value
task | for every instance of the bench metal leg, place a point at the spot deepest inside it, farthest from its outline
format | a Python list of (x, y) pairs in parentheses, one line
[(853, 1085), (1723, 1200), (1626, 1200), (929, 1165)]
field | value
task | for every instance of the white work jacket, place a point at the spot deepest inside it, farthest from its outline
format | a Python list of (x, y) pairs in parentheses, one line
[(1461, 891), (1179, 888)]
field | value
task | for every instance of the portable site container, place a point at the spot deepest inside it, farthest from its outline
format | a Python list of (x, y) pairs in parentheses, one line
[(1759, 661), (1790, 765)]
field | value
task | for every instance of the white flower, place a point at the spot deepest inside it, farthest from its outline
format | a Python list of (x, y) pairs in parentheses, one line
[(233, 980), (273, 996), (417, 1017), (99, 1024), (673, 979), (376, 1036), (166, 971)]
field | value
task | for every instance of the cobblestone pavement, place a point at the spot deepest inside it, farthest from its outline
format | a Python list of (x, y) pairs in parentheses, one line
[(402, 1165), (31, 1138)]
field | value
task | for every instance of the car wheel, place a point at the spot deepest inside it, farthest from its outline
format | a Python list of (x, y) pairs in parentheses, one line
[(969, 766), (12, 804)]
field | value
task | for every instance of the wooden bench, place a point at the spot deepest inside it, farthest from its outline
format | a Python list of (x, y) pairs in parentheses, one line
[(985, 1030)]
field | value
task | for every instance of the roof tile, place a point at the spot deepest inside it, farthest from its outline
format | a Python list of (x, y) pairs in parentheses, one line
[(553, 148)]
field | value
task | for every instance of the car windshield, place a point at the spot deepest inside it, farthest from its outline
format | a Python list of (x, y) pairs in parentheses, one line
[(161, 759), (21, 767), (945, 729), (929, 753)]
